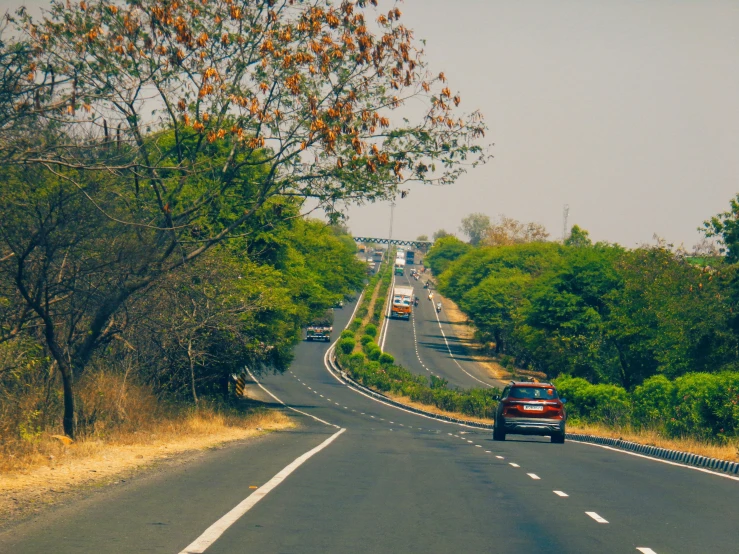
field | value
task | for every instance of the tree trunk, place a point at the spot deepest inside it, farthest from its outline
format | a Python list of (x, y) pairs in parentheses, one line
[(69, 421), (498, 341), (192, 372)]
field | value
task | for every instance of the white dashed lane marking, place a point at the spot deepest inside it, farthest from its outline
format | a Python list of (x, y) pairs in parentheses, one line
[(500, 457), (478, 446), (645, 550), (596, 517), (562, 494), (514, 465), (534, 476)]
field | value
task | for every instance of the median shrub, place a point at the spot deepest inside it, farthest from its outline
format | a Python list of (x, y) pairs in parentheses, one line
[(355, 324), (374, 353), (347, 334), (371, 330), (386, 359), (366, 339), (346, 345)]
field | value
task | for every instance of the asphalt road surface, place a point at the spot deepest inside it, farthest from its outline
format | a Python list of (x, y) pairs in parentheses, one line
[(427, 344), (391, 481)]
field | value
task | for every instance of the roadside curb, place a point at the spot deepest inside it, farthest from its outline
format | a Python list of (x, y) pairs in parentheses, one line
[(676, 456)]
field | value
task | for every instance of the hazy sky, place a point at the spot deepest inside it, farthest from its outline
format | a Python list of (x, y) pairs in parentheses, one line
[(626, 110)]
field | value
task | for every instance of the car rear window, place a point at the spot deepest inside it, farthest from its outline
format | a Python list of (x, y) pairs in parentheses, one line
[(533, 392)]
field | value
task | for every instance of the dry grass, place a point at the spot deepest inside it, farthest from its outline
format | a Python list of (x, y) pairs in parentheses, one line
[(54, 468), (433, 409), (122, 426), (728, 452)]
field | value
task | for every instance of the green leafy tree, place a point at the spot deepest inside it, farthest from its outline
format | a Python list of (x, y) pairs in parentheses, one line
[(475, 226), (725, 227), (440, 234), (578, 237), (444, 251)]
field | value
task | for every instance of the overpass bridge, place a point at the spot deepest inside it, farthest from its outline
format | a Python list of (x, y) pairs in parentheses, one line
[(397, 242)]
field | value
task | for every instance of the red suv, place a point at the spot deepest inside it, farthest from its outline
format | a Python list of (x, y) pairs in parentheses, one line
[(530, 409)]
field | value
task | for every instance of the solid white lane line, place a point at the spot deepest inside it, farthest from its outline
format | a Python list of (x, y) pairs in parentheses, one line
[(645, 550), (286, 406), (562, 494), (534, 476), (449, 349), (514, 465), (596, 517), (213, 532)]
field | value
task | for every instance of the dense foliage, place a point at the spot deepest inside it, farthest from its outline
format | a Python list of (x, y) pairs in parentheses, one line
[(644, 337), (377, 370)]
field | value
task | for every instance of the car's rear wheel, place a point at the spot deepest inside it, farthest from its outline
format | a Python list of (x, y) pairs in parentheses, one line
[(498, 434), (558, 438)]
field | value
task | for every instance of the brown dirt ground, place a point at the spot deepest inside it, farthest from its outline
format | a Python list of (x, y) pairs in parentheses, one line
[(48, 480)]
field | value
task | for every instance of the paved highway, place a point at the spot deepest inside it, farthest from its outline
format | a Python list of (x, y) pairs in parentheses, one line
[(427, 343), (385, 480)]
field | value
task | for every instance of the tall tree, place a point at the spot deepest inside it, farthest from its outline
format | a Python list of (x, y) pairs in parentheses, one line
[(578, 237), (475, 226), (507, 231), (183, 121), (725, 228)]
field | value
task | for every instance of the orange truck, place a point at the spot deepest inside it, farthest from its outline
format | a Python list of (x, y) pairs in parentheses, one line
[(402, 301)]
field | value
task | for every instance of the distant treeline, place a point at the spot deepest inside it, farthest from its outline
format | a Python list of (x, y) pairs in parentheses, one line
[(646, 337)]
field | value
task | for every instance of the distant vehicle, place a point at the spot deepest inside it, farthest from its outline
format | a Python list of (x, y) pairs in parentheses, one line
[(438, 307), (401, 307), (410, 256), (400, 255), (339, 304), (530, 409), (377, 256), (321, 327), (399, 267)]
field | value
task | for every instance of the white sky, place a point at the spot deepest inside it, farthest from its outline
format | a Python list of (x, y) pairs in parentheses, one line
[(625, 110)]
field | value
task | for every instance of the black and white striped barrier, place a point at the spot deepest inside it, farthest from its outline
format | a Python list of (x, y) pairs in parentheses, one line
[(677, 456)]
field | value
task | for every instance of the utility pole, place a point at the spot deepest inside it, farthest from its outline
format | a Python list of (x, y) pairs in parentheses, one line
[(565, 214)]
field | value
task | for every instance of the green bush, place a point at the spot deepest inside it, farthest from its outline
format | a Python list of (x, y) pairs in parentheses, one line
[(607, 404), (362, 312), (653, 400), (366, 339), (371, 330), (374, 354), (386, 359), (347, 334), (346, 345), (355, 324)]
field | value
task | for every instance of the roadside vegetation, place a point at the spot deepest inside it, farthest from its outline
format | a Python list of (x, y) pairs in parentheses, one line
[(359, 353), (641, 340), (158, 165)]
